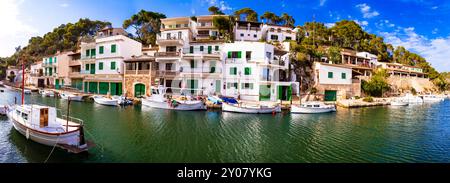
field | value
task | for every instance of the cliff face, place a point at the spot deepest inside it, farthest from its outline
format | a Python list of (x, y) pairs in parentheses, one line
[(403, 84)]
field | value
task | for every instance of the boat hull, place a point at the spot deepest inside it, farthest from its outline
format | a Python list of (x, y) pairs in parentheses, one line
[(248, 110), (108, 102), (181, 106), (399, 103), (72, 97), (49, 139), (307, 110)]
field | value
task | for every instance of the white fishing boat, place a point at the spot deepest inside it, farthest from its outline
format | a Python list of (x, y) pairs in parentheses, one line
[(71, 96), (41, 124), (411, 99), (432, 98), (250, 108), (47, 93), (313, 108), (3, 110), (159, 100), (106, 101)]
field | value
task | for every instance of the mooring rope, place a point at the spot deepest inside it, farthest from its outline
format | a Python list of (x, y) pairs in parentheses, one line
[(51, 152)]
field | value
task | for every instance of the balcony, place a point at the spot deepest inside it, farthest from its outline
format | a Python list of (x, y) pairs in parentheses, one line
[(167, 73), (197, 52), (88, 57), (74, 63), (170, 41), (167, 54), (138, 72), (36, 74)]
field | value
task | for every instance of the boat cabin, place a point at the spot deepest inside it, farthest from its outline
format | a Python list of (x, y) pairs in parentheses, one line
[(37, 116)]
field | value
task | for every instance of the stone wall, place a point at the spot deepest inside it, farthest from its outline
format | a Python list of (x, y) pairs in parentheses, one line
[(404, 84), (130, 81), (343, 91)]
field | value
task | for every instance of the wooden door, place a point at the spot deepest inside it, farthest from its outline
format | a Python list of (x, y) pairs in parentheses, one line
[(43, 118)]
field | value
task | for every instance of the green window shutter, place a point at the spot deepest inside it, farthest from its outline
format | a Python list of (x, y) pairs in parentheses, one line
[(239, 54), (87, 53), (93, 52), (229, 54), (330, 74), (248, 71), (233, 71), (87, 67), (191, 49), (101, 49), (55, 59), (113, 65), (344, 76), (113, 48), (217, 48), (100, 66), (51, 60), (192, 63), (201, 48), (209, 49)]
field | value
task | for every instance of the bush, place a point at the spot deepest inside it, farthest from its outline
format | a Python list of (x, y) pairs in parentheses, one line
[(368, 99), (357, 97), (413, 91), (377, 85), (313, 91)]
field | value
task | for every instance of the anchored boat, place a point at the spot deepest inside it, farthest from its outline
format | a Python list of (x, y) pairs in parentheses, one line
[(313, 108), (432, 98), (106, 101), (71, 96), (47, 93), (159, 100), (250, 108)]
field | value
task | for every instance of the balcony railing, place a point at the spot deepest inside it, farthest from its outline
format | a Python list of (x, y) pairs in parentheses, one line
[(88, 57), (204, 70), (36, 75), (137, 72), (198, 51), (167, 73), (167, 54)]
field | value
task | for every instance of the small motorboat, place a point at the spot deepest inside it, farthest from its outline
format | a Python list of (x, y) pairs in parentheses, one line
[(411, 99), (160, 101), (123, 100), (27, 91), (432, 98), (106, 101), (71, 96), (47, 93), (215, 100), (313, 108), (399, 102), (3, 110), (250, 108)]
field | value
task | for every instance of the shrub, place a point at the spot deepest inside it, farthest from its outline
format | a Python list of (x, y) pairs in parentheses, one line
[(368, 99), (377, 85)]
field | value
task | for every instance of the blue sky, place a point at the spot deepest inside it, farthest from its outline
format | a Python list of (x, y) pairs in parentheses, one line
[(419, 25)]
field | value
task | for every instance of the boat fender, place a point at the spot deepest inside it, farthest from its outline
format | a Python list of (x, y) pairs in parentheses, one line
[(28, 134)]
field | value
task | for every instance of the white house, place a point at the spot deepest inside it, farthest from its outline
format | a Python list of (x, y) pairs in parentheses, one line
[(256, 71), (335, 81), (278, 33), (248, 31)]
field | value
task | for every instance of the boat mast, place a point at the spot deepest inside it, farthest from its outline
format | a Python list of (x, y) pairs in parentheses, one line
[(23, 81), (68, 113)]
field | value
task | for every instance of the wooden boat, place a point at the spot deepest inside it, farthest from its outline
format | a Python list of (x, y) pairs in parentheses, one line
[(411, 99), (41, 125), (47, 93), (399, 102), (106, 101), (313, 108), (71, 96), (158, 100), (250, 109)]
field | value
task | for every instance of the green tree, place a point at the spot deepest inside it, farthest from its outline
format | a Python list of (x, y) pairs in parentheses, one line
[(270, 18), (334, 54), (146, 25), (249, 14), (377, 84), (287, 20), (225, 27), (214, 10)]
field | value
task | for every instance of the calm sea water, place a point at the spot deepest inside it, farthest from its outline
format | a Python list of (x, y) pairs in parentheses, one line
[(419, 133)]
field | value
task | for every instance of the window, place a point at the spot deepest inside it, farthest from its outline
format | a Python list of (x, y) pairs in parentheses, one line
[(101, 49), (168, 36), (217, 48), (242, 35), (179, 35), (87, 53), (171, 48), (234, 54), (233, 70), (344, 76), (247, 86), (288, 38), (248, 71), (55, 59), (232, 85), (192, 63), (248, 55), (254, 35), (87, 66), (201, 48), (113, 48), (100, 66), (209, 49), (191, 49), (330, 74), (113, 65), (93, 52), (168, 66), (274, 37)]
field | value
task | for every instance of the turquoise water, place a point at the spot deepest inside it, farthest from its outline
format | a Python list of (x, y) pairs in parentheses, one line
[(419, 133)]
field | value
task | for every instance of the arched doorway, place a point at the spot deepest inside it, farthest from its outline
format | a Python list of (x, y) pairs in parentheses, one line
[(139, 90)]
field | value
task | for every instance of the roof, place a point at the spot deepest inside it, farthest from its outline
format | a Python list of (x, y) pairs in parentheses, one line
[(141, 58)]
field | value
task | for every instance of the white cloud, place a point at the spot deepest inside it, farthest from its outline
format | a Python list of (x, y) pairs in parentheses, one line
[(434, 7), (365, 10), (329, 25), (362, 23), (17, 32), (64, 5), (322, 2), (435, 31), (436, 51), (222, 5)]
